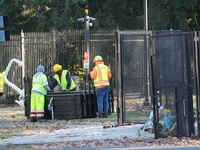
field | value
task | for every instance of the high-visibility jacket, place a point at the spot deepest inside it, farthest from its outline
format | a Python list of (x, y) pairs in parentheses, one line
[(63, 82), (102, 75), (39, 83), (1, 82)]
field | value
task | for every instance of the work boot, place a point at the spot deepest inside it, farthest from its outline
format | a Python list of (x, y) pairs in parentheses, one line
[(105, 115), (33, 119), (99, 116), (39, 121)]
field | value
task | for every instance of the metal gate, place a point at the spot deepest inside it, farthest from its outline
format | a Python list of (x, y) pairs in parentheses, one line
[(172, 63), (197, 66), (133, 74), (157, 67)]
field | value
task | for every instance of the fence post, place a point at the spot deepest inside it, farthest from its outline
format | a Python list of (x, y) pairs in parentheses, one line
[(54, 46), (23, 60), (120, 102), (197, 79)]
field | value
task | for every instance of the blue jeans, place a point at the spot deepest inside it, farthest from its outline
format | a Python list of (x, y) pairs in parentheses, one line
[(102, 99)]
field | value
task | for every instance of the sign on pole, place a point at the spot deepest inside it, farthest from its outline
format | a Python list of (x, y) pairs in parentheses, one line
[(86, 60)]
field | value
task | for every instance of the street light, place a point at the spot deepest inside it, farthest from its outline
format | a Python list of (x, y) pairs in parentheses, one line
[(86, 63), (86, 21), (147, 91)]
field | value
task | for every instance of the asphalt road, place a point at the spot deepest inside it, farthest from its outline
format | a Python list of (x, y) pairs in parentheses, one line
[(134, 148)]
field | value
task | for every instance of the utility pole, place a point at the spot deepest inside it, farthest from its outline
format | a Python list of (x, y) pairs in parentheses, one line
[(86, 61), (146, 102), (87, 20), (87, 39), (145, 15)]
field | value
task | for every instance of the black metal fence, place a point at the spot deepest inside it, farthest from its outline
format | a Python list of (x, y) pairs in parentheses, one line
[(66, 48), (159, 67), (173, 79), (133, 73)]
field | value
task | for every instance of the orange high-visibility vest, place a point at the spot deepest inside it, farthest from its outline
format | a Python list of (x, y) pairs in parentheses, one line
[(102, 75)]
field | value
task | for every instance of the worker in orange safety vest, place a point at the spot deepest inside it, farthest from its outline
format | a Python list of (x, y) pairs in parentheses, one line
[(101, 75)]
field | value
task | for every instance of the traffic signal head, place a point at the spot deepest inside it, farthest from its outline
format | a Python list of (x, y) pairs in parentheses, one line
[(4, 36), (3, 21)]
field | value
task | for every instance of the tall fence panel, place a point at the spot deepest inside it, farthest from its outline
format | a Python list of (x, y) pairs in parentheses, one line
[(66, 48), (38, 50), (197, 66), (166, 60), (173, 77), (9, 50), (133, 74)]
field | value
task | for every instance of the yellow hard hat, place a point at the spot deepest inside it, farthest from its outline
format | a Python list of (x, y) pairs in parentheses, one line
[(56, 67), (167, 111), (98, 58)]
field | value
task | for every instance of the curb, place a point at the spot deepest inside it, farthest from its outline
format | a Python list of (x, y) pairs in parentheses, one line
[(4, 145)]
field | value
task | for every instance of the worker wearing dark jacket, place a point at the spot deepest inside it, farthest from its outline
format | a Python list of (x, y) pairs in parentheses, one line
[(63, 78), (101, 75)]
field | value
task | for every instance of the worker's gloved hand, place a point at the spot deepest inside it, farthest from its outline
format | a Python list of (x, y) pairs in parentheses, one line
[(50, 90), (64, 91)]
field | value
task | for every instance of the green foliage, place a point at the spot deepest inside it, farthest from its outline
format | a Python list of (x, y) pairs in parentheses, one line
[(126, 14), (157, 15), (76, 70), (170, 14), (40, 15), (44, 15)]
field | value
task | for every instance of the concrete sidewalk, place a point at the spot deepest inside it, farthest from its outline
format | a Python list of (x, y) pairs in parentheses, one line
[(81, 132), (8, 109), (77, 133)]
